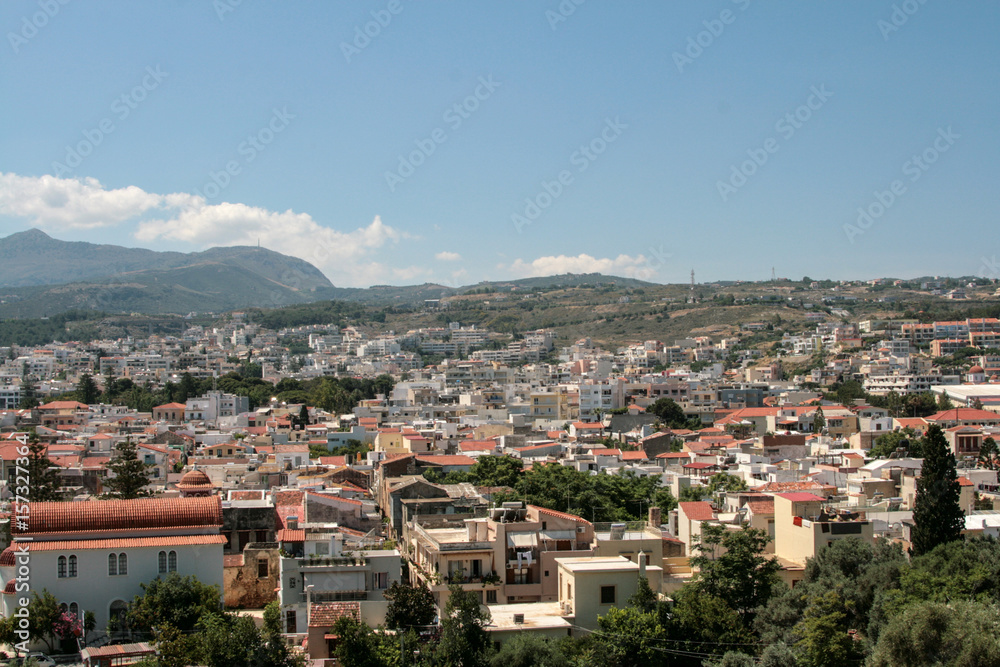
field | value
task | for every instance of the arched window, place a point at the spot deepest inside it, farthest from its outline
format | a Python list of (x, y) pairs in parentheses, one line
[(74, 609), (122, 564), (61, 567), (63, 607), (72, 566), (173, 561), (162, 562), (117, 613), (112, 565)]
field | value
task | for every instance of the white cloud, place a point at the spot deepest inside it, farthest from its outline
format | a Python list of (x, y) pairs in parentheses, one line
[(552, 265), (67, 203), (51, 202), (446, 256)]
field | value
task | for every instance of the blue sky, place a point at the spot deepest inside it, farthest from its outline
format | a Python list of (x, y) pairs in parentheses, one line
[(644, 139)]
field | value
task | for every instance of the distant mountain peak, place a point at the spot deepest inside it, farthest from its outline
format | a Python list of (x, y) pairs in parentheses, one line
[(29, 234)]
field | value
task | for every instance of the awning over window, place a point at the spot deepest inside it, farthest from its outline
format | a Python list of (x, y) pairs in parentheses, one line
[(522, 539)]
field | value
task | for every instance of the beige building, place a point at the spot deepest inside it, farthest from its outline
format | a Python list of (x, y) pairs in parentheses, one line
[(590, 587), (506, 557), (803, 527)]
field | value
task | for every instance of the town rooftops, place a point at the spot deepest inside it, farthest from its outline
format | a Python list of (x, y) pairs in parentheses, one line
[(802, 497)]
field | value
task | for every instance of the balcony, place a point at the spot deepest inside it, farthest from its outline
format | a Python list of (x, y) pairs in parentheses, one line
[(331, 561)]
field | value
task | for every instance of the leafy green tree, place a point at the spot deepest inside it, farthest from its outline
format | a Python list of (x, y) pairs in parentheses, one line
[(188, 388), (725, 483), (226, 640), (360, 646), (693, 494), (669, 412), (937, 513), (131, 476), (887, 443), (174, 600), (272, 619), (819, 421), (631, 638), (989, 454), (463, 630), (943, 402), (932, 633), (706, 622), (644, 599), (823, 630), (87, 390), (44, 617), (741, 576), (497, 471), (849, 390), (43, 475), (409, 606), (923, 404), (28, 398), (733, 659), (530, 650)]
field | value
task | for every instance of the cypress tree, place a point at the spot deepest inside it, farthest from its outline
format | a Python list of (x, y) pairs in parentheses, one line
[(937, 512), (131, 476), (43, 475)]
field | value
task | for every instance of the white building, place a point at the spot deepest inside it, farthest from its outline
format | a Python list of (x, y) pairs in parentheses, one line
[(95, 555)]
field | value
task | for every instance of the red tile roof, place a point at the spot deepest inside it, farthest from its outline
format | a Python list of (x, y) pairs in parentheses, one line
[(59, 517), (964, 414), (246, 495), (290, 535), (561, 515), (127, 542), (64, 405), (607, 452), (764, 505), (801, 497), (698, 510), (333, 460), (637, 455), (325, 615)]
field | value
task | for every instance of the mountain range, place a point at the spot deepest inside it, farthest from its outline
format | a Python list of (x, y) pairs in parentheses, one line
[(42, 276)]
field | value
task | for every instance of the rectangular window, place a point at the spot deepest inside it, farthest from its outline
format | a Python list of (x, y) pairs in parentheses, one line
[(262, 568), (491, 596), (380, 580), (290, 621), (607, 594)]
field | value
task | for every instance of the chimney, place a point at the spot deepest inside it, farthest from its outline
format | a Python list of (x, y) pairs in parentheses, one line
[(642, 563), (655, 517)]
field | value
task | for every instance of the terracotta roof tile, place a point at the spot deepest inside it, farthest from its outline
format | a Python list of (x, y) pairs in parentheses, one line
[(126, 542), (290, 535), (697, 511), (59, 517), (324, 615)]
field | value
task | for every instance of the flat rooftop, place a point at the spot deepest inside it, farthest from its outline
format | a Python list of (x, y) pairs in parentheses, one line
[(537, 616), (601, 564)]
